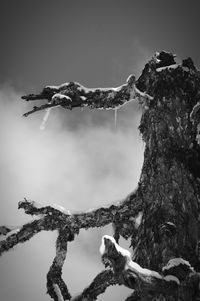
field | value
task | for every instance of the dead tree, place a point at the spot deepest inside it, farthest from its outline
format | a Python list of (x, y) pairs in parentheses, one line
[(162, 215)]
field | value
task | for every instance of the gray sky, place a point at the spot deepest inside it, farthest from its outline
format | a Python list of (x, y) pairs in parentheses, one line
[(80, 160)]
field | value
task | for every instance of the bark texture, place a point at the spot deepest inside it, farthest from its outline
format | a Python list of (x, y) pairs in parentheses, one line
[(162, 216)]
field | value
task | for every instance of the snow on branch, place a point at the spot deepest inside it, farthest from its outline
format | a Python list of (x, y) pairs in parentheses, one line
[(71, 95), (140, 279)]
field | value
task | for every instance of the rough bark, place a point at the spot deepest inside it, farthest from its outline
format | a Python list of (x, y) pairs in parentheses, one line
[(162, 216)]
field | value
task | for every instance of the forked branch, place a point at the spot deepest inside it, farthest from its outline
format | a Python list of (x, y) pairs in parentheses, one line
[(49, 218)]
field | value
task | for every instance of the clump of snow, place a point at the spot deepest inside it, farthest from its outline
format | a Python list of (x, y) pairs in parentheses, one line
[(171, 278), (59, 96), (63, 86), (60, 208), (156, 57), (54, 206), (174, 66), (138, 219), (119, 249), (87, 90), (170, 223), (83, 98), (174, 262), (135, 267)]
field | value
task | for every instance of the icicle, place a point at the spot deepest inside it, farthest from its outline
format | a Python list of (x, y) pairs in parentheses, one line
[(115, 117), (45, 118)]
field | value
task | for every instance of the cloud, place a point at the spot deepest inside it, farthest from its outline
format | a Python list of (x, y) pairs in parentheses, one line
[(79, 161)]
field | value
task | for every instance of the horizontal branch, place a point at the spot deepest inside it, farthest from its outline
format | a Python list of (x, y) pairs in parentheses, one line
[(72, 95), (57, 218)]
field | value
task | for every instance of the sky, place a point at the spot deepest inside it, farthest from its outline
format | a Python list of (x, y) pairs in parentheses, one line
[(81, 160)]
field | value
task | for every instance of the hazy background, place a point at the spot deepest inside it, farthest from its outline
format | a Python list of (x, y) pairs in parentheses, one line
[(81, 160)]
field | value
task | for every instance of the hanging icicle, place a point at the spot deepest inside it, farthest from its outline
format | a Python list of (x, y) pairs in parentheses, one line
[(45, 118), (115, 117)]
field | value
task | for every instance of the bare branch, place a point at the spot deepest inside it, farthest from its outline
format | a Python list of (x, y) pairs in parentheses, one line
[(72, 95), (55, 283), (98, 286), (26, 232), (68, 225)]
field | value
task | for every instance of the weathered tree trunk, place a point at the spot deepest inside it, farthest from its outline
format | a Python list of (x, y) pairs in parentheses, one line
[(169, 184), (162, 215)]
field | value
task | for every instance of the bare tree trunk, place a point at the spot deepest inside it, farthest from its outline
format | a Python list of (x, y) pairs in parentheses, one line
[(169, 182), (162, 215)]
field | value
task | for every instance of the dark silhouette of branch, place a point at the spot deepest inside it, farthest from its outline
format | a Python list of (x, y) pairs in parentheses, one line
[(54, 276)]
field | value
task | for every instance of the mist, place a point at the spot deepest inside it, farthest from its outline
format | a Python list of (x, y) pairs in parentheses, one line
[(81, 160)]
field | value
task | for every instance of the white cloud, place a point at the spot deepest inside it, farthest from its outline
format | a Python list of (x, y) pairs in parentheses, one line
[(79, 161)]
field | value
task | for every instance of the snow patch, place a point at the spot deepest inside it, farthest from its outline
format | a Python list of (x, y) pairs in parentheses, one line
[(83, 98), (145, 272), (54, 206), (60, 208), (119, 249), (171, 278), (60, 97), (135, 267), (174, 262), (174, 66), (138, 219)]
